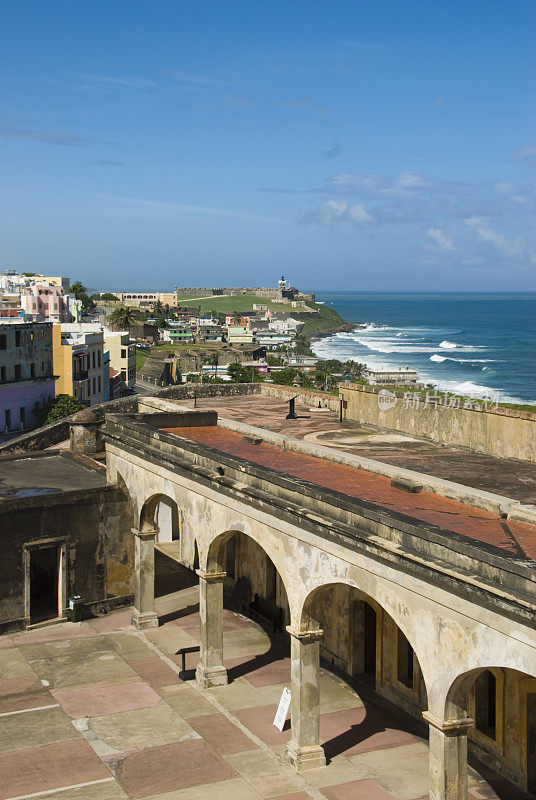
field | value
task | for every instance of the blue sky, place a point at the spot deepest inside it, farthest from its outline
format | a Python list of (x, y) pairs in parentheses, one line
[(360, 145)]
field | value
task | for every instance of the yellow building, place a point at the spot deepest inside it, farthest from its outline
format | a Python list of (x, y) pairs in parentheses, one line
[(147, 298), (78, 360), (65, 283)]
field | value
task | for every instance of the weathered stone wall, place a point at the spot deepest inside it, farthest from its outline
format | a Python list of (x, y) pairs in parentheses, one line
[(307, 397), (50, 435), (501, 432), (95, 525)]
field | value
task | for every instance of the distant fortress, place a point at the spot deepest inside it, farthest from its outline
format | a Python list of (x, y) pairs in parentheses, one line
[(283, 293)]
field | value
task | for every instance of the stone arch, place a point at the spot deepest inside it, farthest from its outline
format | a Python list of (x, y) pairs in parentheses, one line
[(307, 619), (169, 524), (131, 505), (457, 699), (212, 557), (509, 745)]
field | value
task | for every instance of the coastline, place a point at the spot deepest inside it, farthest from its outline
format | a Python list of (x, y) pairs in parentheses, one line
[(322, 348), (467, 344)]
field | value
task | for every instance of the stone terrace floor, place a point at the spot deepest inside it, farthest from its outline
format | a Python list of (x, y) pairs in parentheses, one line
[(515, 479), (96, 711)]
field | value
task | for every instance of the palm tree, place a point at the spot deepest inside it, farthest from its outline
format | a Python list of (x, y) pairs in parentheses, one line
[(158, 309), (354, 370), (303, 343), (237, 316), (122, 317)]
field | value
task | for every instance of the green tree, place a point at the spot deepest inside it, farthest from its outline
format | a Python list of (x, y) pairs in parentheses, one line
[(108, 296), (272, 360), (80, 292), (241, 373), (61, 406), (237, 316), (285, 376), (303, 344), (121, 318), (353, 370)]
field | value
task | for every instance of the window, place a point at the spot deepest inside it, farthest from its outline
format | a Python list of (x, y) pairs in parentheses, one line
[(42, 366), (123, 352), (3, 374), (99, 358), (94, 386), (7, 419), (123, 374), (3, 341), (94, 357), (32, 370), (99, 383), (404, 661), (22, 416), (485, 703), (18, 338), (18, 372)]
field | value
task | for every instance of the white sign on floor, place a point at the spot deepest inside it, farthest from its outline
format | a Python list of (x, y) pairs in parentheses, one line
[(282, 709)]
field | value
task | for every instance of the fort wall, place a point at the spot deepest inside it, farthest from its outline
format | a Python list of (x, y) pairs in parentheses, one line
[(501, 432)]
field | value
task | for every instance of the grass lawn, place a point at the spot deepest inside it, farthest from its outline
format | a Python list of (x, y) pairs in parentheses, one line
[(239, 302)]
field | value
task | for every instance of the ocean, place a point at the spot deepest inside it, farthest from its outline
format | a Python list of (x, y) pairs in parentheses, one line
[(476, 345)]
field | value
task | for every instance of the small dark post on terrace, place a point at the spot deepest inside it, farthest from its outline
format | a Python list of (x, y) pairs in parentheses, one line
[(291, 412)]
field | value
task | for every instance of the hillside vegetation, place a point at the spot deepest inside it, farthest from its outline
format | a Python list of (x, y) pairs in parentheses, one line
[(326, 321)]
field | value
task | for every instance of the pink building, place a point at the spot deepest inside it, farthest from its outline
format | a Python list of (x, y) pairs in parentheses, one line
[(47, 300)]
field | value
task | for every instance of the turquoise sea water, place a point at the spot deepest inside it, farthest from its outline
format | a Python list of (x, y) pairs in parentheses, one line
[(473, 344)]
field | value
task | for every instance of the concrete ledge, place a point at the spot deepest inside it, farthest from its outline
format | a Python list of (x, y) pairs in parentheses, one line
[(487, 501), (179, 419), (523, 513)]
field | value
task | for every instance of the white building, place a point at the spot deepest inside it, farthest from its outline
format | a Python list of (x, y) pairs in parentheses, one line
[(391, 377)]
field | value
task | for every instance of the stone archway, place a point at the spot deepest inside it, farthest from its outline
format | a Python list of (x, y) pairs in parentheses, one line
[(210, 671)]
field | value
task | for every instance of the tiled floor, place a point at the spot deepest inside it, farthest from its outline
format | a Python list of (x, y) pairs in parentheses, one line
[(96, 711)]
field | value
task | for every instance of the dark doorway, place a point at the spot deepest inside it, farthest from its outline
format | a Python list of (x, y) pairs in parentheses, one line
[(365, 623), (485, 700), (44, 563), (531, 743)]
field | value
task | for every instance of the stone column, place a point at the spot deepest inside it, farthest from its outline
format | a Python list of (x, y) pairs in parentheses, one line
[(304, 751), (210, 670), (144, 615), (448, 757)]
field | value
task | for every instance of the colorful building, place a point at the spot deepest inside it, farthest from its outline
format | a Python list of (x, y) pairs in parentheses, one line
[(26, 374), (79, 363)]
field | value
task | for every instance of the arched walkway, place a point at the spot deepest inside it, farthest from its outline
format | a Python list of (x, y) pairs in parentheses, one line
[(501, 703), (239, 563), (159, 527), (352, 632)]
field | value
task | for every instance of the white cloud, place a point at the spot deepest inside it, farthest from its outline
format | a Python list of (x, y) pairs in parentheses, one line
[(112, 82), (331, 212), (526, 154), (513, 249), (474, 221), (358, 215), (441, 239), (183, 208)]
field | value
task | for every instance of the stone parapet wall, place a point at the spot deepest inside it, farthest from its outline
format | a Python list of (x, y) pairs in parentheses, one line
[(501, 432), (56, 432), (306, 397)]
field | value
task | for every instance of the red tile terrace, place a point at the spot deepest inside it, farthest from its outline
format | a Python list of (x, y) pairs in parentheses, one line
[(513, 537)]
